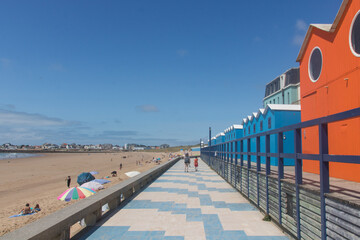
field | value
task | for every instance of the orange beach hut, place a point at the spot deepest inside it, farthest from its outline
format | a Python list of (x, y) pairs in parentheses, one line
[(330, 83)]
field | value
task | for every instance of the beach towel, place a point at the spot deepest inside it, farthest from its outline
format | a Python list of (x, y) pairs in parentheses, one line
[(101, 181), (20, 215)]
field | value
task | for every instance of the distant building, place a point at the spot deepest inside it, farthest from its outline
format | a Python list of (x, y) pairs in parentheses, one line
[(106, 146), (8, 146), (285, 89), (164, 146), (49, 146)]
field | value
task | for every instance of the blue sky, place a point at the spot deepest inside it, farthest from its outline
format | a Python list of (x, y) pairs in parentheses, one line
[(147, 72)]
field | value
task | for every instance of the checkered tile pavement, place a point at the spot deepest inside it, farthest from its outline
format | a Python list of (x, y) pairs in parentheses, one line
[(187, 205)]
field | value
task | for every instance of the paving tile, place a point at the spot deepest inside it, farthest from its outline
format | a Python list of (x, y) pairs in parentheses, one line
[(194, 205)]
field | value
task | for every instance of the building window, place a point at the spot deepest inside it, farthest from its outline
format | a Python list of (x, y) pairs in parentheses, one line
[(354, 38), (269, 123), (261, 125), (254, 127), (315, 64), (244, 131), (249, 130), (289, 98), (278, 100)]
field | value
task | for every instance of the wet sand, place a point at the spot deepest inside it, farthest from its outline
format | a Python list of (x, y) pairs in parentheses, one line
[(42, 179)]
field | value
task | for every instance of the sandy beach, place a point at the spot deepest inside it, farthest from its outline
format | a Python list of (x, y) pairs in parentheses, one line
[(42, 179)]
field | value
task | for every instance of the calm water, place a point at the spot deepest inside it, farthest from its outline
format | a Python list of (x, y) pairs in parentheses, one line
[(17, 155)]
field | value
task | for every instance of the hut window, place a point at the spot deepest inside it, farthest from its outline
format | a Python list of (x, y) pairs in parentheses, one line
[(354, 38), (315, 64), (249, 130), (289, 98), (254, 129), (269, 123), (261, 125)]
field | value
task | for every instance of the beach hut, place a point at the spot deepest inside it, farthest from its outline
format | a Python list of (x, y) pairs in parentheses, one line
[(272, 117), (236, 132), (277, 116), (220, 138), (213, 141), (329, 77)]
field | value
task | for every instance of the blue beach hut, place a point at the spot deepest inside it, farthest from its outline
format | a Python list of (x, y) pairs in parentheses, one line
[(236, 132), (213, 141), (277, 116), (272, 117)]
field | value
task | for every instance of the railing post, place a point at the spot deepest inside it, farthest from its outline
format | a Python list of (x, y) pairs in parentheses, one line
[(223, 162), (232, 152), (248, 166), (232, 161), (241, 163), (236, 163), (258, 168), (267, 163), (236, 150), (324, 174), (298, 177), (280, 170)]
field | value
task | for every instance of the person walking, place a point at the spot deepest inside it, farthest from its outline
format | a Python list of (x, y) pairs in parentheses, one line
[(68, 179), (196, 164), (187, 161)]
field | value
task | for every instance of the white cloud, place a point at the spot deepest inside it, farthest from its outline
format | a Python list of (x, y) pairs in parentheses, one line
[(301, 25), (147, 108), (257, 39), (182, 52), (298, 39), (300, 31), (13, 118), (5, 62), (56, 67)]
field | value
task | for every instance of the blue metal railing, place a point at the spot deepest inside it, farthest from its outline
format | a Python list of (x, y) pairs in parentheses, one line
[(222, 151)]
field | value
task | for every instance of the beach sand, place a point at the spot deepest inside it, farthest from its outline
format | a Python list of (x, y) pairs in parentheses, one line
[(42, 179)]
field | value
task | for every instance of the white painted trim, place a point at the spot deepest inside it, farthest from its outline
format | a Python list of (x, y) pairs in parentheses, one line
[(322, 62), (351, 28)]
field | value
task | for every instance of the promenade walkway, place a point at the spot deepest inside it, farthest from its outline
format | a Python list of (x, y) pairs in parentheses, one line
[(187, 205)]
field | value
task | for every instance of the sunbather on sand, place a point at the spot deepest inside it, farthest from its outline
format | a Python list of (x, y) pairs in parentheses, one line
[(37, 208), (26, 209)]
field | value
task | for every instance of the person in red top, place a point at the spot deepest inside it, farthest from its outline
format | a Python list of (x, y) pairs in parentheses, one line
[(196, 164)]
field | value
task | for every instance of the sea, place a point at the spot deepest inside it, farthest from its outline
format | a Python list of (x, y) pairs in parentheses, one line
[(17, 155)]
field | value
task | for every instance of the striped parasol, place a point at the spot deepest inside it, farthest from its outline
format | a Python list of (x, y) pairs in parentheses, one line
[(75, 193)]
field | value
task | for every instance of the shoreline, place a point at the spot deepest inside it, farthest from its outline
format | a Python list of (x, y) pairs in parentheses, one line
[(25, 155)]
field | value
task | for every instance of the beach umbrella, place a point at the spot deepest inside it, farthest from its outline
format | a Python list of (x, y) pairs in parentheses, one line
[(93, 185), (94, 172), (101, 181), (75, 193), (132, 173), (84, 177)]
